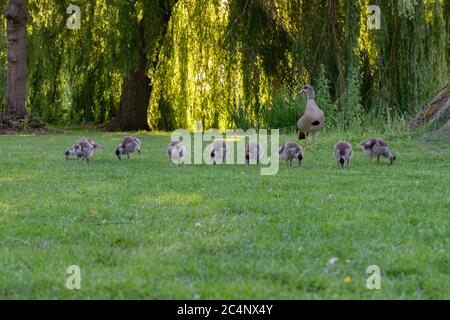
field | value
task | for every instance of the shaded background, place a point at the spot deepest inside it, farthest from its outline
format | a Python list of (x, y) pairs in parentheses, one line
[(235, 63)]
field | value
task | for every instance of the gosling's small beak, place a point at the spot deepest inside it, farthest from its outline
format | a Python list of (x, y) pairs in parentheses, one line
[(392, 160), (301, 91)]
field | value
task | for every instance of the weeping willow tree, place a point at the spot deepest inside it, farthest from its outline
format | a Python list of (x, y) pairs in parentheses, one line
[(72, 78), (231, 63), (151, 22), (411, 55), (191, 84), (446, 13), (3, 53)]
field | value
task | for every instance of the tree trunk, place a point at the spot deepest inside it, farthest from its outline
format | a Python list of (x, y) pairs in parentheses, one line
[(136, 91), (16, 19), (435, 110), (137, 87)]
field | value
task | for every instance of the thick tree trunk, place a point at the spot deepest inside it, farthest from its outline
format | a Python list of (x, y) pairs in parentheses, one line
[(134, 100), (137, 87), (16, 18), (435, 110), (135, 96)]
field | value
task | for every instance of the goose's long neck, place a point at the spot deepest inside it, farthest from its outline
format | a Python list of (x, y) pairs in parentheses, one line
[(311, 103)]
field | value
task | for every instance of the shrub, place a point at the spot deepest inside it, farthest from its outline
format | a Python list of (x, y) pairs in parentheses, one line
[(322, 87), (284, 111), (351, 115)]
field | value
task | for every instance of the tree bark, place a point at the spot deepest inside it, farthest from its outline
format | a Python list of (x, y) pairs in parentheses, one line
[(435, 109), (136, 91), (137, 87), (16, 19)]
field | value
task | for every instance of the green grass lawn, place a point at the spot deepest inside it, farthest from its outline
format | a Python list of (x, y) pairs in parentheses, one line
[(143, 229)]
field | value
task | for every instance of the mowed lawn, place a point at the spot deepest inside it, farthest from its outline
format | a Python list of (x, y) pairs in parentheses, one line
[(142, 229)]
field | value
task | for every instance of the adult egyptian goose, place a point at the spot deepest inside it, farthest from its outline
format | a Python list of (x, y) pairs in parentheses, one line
[(376, 148), (342, 152), (129, 145), (291, 151), (313, 119)]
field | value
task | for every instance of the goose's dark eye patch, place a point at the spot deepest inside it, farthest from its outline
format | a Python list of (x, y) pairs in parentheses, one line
[(316, 123)]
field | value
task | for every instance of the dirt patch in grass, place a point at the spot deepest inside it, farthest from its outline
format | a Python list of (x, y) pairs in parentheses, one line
[(28, 125)]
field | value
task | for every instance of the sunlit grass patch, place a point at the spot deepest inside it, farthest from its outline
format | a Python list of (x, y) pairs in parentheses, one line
[(141, 228)]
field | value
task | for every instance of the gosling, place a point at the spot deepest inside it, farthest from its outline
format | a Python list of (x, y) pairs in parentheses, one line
[(253, 151), (129, 145), (176, 151), (291, 151), (342, 153), (377, 148), (219, 151), (83, 149)]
